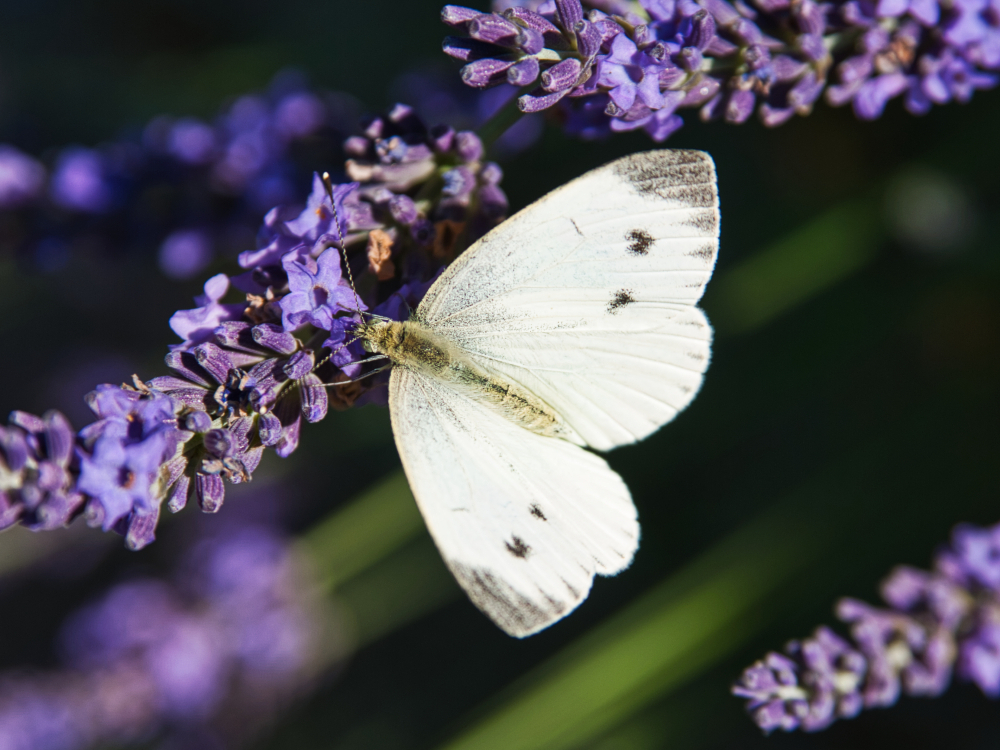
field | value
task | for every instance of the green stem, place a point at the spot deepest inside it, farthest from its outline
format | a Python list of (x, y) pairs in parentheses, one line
[(499, 123)]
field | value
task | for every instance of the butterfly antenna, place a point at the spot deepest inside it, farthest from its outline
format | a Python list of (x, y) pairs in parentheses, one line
[(328, 184)]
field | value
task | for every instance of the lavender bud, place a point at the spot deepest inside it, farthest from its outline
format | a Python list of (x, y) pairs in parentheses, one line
[(14, 448), (719, 47), (197, 421), (785, 68), (58, 436), (706, 88), (458, 182), (746, 31), (530, 41), (289, 439), (812, 47), (702, 29), (141, 529), (403, 209), (536, 101), (483, 74), (492, 201), (561, 75), (218, 443), (491, 173), (210, 492), (215, 361), (568, 14), (299, 365), (809, 17), (27, 422), (772, 117), (274, 337), (235, 334), (805, 92), (529, 19), (468, 146), (456, 15), (442, 137), (658, 52), (494, 29), (186, 364), (757, 57), (268, 429), (523, 72), (644, 36), (315, 401), (464, 49), (588, 38), (356, 146), (739, 107), (690, 59)]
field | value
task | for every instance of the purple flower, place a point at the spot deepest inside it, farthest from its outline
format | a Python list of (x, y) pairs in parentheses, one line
[(317, 292), (939, 622), (198, 325), (123, 453), (316, 219), (36, 472), (728, 58), (628, 73)]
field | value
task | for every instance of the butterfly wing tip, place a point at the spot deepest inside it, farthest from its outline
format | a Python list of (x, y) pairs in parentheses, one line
[(513, 612)]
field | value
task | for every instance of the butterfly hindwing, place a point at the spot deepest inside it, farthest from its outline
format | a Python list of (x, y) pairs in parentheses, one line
[(523, 521)]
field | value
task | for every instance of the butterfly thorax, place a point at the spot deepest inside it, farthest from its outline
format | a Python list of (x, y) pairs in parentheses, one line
[(415, 346)]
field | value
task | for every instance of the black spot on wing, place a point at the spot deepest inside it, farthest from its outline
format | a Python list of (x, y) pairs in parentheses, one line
[(511, 610), (639, 241), (517, 547), (705, 221), (622, 298), (685, 177), (537, 512), (706, 253)]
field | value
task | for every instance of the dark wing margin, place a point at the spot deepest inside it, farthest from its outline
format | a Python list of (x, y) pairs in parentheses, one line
[(687, 177)]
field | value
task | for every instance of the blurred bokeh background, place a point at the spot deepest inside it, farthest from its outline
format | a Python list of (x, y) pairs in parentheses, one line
[(849, 419)]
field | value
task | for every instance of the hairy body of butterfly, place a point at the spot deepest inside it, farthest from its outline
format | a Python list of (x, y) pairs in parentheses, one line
[(569, 328), (413, 346)]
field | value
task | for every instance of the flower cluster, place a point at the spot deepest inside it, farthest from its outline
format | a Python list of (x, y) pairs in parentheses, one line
[(249, 372), (626, 65), (938, 623), (236, 636), (186, 186)]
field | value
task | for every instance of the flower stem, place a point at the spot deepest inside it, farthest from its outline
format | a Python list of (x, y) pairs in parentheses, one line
[(501, 121)]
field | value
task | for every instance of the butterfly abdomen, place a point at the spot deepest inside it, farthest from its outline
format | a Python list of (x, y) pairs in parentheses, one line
[(416, 347)]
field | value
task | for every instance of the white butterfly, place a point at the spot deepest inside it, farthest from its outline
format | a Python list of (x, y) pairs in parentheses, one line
[(572, 325)]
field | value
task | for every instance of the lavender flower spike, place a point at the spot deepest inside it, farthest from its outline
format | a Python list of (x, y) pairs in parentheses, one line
[(938, 623), (249, 373), (634, 68)]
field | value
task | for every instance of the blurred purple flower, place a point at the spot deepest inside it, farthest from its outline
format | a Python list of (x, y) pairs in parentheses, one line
[(938, 623), (21, 178), (237, 638), (198, 325), (185, 253), (79, 181)]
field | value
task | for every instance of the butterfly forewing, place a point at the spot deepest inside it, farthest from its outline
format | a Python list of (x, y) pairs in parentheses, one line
[(586, 298)]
